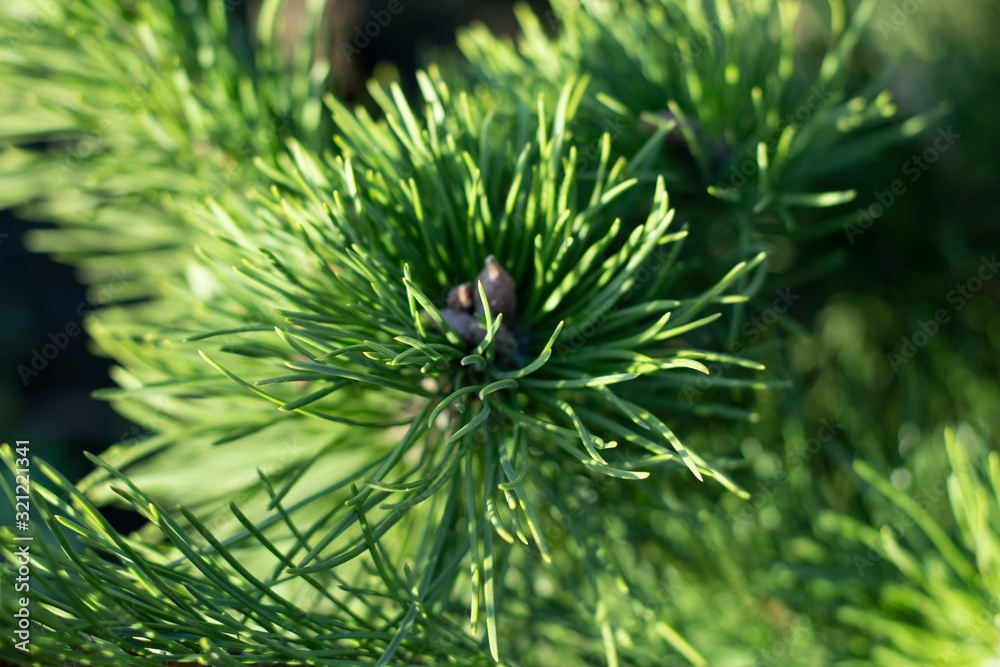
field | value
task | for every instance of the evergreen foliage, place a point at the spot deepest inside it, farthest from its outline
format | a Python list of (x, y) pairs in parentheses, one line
[(339, 467)]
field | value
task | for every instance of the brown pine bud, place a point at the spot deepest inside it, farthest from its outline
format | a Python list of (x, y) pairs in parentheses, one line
[(501, 293), (465, 325), (471, 332), (503, 341), (460, 298)]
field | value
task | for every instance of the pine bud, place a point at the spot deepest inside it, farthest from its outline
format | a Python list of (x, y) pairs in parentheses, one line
[(466, 326), (501, 293), (460, 298), (471, 332), (504, 343)]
